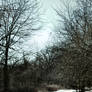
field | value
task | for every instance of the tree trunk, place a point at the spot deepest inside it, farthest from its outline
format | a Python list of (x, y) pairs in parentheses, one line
[(83, 89), (6, 74)]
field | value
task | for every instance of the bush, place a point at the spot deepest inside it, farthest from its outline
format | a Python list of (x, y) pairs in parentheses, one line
[(52, 89)]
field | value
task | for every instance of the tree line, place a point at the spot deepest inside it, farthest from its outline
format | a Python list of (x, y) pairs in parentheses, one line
[(67, 63)]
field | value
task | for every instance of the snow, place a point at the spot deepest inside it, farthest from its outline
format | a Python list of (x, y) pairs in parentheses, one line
[(66, 90), (71, 90)]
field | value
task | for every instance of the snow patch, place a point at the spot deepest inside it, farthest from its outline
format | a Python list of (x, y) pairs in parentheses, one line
[(66, 90)]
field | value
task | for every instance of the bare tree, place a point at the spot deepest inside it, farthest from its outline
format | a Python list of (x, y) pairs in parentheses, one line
[(18, 18), (77, 24), (47, 60), (77, 30)]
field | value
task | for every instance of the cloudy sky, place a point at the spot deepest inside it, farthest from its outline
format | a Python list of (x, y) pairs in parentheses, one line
[(45, 36)]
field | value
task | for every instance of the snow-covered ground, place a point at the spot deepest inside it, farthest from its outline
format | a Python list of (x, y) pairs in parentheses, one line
[(66, 90)]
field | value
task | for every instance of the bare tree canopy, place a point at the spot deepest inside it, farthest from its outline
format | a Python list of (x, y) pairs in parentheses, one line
[(76, 27), (17, 18)]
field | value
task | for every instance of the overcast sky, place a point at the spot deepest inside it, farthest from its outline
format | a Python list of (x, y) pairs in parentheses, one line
[(45, 36)]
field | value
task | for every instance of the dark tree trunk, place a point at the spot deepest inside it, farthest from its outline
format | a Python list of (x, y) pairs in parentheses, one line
[(6, 74), (83, 89)]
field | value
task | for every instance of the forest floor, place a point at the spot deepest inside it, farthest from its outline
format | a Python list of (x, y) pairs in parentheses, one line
[(47, 88)]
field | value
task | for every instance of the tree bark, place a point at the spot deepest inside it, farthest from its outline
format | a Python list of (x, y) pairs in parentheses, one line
[(6, 74), (83, 89)]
